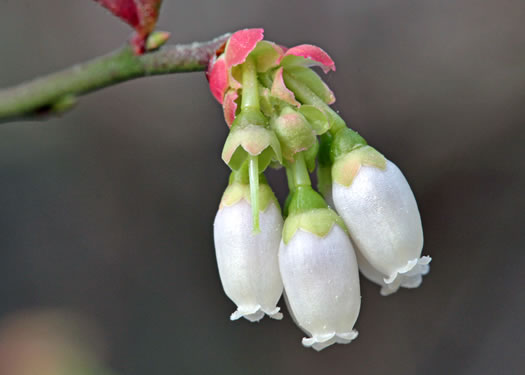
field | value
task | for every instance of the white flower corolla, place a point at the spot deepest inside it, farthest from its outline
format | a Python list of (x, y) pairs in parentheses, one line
[(247, 261), (321, 282), (411, 279), (381, 214)]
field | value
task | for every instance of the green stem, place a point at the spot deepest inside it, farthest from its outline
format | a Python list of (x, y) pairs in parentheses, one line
[(324, 179), (290, 179), (324, 167), (254, 192), (299, 171), (307, 96), (266, 80), (55, 93), (250, 86)]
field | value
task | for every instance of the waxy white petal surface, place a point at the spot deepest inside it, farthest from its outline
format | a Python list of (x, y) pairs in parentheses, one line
[(381, 214), (247, 261), (321, 281)]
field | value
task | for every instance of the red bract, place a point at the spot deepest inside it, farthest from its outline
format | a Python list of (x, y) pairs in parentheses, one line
[(140, 14)]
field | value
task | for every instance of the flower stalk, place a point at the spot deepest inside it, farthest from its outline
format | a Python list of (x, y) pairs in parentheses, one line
[(299, 172), (250, 87)]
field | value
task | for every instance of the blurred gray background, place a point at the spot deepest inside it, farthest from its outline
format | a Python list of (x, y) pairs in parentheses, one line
[(107, 212)]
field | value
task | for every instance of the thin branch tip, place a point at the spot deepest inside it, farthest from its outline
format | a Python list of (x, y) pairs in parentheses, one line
[(58, 92)]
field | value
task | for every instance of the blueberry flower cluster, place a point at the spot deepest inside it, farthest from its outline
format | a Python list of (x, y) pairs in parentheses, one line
[(364, 217)]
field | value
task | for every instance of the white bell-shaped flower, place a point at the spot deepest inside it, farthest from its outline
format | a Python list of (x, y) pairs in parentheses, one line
[(247, 261), (320, 277), (381, 214)]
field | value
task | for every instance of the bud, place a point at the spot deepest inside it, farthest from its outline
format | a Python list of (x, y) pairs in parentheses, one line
[(379, 209), (247, 261)]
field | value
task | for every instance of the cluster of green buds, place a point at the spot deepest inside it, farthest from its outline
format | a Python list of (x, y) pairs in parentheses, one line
[(364, 216)]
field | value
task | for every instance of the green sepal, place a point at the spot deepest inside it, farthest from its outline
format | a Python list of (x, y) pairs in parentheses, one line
[(318, 221), (312, 80), (238, 190), (250, 135), (346, 167), (294, 133), (316, 118), (344, 141)]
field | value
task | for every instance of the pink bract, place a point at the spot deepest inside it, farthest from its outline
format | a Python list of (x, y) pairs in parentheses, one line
[(279, 89), (240, 44), (267, 55), (313, 55), (238, 47), (218, 78)]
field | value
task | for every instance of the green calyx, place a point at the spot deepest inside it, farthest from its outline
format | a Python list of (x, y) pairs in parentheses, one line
[(250, 139), (347, 166), (238, 190), (318, 221), (344, 141), (304, 199)]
